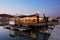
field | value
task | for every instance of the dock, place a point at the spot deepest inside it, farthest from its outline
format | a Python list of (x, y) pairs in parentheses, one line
[(15, 28), (24, 28), (55, 35)]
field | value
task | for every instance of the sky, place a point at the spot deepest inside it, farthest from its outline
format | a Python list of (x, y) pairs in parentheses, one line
[(27, 7)]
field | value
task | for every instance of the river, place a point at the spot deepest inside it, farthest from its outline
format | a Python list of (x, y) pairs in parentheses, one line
[(6, 34)]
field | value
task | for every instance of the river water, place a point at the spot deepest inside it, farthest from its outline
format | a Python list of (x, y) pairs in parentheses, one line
[(6, 34)]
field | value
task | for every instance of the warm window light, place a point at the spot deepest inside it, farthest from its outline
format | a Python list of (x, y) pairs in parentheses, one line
[(40, 18), (50, 19), (27, 17), (0, 17)]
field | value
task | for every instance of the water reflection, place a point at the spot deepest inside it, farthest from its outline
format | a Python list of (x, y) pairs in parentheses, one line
[(14, 33), (8, 34), (29, 36)]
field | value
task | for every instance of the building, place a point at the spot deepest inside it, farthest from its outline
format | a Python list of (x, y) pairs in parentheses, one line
[(4, 19)]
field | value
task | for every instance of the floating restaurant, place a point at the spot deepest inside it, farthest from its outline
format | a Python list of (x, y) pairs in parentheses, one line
[(29, 20), (29, 24)]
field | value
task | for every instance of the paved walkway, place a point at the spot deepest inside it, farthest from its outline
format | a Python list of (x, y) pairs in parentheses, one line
[(55, 35)]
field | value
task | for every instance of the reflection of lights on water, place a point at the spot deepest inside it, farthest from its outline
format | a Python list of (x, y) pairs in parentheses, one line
[(12, 32), (33, 36)]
